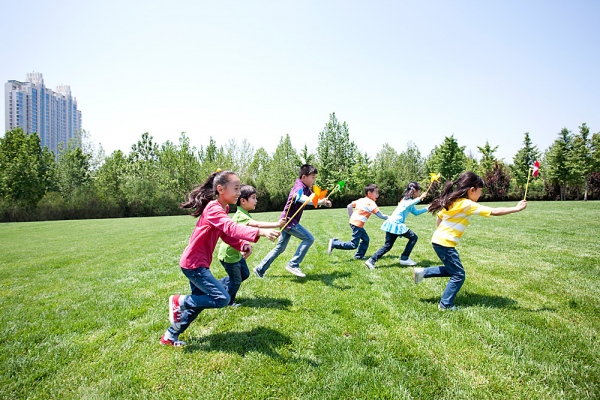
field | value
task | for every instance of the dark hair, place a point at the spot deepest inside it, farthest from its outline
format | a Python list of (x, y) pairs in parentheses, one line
[(370, 188), (449, 194), (246, 191), (307, 170), (411, 188), (200, 196)]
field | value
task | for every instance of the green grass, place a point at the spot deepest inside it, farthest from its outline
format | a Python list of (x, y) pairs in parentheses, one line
[(83, 304)]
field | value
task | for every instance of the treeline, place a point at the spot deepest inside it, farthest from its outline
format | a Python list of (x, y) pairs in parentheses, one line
[(151, 180)]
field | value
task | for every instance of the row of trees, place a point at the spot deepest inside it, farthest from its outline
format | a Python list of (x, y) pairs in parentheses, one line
[(82, 182)]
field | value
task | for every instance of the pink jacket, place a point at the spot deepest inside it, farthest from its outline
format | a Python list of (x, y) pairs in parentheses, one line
[(214, 223)]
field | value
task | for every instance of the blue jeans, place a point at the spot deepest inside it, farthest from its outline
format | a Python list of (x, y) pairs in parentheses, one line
[(237, 273), (296, 231), (452, 268), (390, 238), (359, 239), (207, 292)]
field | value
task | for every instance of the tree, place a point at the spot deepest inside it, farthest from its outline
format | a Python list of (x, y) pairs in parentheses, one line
[(497, 181), (386, 165), (447, 159), (179, 167), (411, 166), (488, 160), (336, 154), (523, 160), (25, 168), (282, 171), (557, 167), (72, 169), (306, 157), (581, 159)]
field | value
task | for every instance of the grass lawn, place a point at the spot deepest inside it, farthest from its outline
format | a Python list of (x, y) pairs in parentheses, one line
[(83, 304)]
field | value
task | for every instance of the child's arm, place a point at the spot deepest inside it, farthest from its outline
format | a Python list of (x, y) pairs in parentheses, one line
[(261, 224), (437, 222), (509, 210), (350, 209), (381, 215)]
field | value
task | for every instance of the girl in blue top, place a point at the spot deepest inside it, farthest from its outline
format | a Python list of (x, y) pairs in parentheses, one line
[(394, 226)]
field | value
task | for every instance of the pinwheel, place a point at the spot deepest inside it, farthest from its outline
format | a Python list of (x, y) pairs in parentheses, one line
[(535, 168)]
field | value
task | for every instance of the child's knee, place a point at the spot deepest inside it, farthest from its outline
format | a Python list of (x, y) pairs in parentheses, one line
[(222, 300)]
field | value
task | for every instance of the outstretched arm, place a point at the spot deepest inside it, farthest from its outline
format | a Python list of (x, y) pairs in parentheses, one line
[(509, 210), (261, 224), (350, 209), (381, 215)]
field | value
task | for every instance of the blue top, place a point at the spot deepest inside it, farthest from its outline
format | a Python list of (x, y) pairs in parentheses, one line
[(395, 223)]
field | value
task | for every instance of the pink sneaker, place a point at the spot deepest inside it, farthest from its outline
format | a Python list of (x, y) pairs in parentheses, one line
[(170, 342), (175, 311)]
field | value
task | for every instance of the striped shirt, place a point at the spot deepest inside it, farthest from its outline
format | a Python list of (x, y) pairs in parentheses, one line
[(363, 208), (455, 220)]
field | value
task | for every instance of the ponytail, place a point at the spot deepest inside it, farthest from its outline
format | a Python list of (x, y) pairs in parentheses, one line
[(203, 194), (453, 191), (411, 188)]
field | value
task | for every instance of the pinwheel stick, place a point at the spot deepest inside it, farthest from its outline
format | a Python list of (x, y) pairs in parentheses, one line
[(289, 204), (297, 211), (527, 185)]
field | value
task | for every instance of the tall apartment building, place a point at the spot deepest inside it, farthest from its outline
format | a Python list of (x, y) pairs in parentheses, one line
[(35, 108)]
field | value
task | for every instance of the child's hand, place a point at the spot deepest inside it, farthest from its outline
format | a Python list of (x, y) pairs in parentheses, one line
[(422, 197), (282, 222), (327, 203), (247, 250), (522, 205), (271, 234)]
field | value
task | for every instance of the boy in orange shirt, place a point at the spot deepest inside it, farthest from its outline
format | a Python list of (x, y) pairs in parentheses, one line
[(359, 211)]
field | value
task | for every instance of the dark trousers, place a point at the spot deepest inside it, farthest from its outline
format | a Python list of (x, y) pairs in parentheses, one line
[(390, 239)]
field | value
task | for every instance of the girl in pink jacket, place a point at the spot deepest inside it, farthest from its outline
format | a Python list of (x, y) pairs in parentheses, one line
[(210, 202)]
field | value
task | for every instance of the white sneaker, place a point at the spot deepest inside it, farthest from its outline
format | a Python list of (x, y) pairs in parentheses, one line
[(418, 274), (408, 262), (442, 308), (330, 247), (295, 271), (370, 264)]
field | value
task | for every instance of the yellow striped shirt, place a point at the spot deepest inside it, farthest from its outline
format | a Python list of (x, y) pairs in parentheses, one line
[(455, 220)]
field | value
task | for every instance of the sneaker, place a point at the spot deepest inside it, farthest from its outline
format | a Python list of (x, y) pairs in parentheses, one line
[(418, 274), (234, 304), (170, 342), (359, 257), (330, 247), (175, 311), (258, 273), (295, 271), (370, 264), (408, 262), (442, 308)]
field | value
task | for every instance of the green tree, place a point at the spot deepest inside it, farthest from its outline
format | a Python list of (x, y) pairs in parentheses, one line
[(557, 168), (72, 170), (179, 167), (488, 160), (386, 167), (523, 160), (361, 174), (336, 153), (582, 164), (447, 159), (282, 171), (25, 168), (110, 178), (306, 157)]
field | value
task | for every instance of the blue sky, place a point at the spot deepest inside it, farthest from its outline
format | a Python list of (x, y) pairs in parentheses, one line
[(395, 71)]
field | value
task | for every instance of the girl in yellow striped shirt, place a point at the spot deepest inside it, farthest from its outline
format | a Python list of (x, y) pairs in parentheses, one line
[(454, 208)]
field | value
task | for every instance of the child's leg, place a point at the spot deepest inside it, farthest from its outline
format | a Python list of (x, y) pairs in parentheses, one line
[(363, 246), (307, 238), (412, 240), (207, 292), (390, 239), (352, 243), (282, 243), (452, 268), (234, 272)]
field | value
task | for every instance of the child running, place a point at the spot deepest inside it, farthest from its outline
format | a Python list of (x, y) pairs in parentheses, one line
[(395, 227), (359, 212), (231, 259), (305, 181), (214, 223), (454, 208)]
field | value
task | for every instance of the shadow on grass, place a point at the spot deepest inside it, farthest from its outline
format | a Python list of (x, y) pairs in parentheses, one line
[(327, 279), (260, 339), (265, 302), (394, 262), (467, 299)]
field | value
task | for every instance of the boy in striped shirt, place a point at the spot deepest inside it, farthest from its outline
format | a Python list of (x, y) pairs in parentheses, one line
[(359, 211)]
